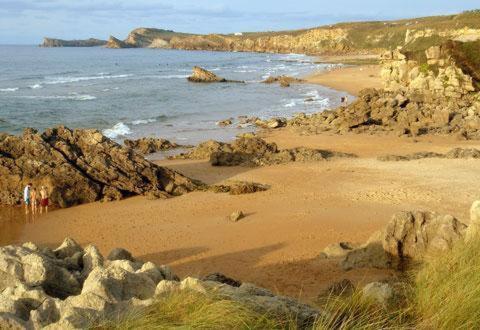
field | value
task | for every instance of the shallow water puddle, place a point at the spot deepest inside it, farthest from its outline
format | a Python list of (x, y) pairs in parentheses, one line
[(12, 222)]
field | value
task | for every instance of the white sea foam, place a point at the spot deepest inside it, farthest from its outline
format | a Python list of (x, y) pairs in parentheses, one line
[(72, 97), (173, 76), (290, 104), (66, 80), (13, 89), (119, 129), (36, 86), (143, 121)]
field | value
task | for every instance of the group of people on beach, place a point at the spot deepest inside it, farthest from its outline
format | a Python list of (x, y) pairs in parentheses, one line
[(36, 200)]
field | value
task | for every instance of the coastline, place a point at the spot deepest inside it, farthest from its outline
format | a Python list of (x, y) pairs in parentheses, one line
[(309, 206)]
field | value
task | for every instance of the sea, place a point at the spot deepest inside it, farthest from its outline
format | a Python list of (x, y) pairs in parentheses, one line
[(133, 93)]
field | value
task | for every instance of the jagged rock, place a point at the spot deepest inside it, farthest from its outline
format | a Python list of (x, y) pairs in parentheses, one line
[(68, 248), (220, 278), (120, 254), (147, 146), (11, 322), (91, 259), (410, 235), (271, 123), (255, 152), (284, 81), (201, 75), (79, 166), (167, 287), (237, 216)]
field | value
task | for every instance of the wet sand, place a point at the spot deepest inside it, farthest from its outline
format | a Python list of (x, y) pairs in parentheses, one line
[(309, 206)]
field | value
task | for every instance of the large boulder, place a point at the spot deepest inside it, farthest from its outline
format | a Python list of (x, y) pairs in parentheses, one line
[(410, 235), (79, 166)]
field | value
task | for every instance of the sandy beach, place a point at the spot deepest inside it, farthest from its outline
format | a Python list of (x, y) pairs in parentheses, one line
[(309, 206), (351, 79)]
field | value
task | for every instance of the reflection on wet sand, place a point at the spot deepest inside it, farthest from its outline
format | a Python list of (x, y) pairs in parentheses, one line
[(12, 222)]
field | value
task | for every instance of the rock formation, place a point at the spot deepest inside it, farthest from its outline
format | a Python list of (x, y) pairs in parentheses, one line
[(456, 153), (400, 113), (439, 74), (117, 43), (92, 42), (255, 152), (147, 146), (408, 237), (73, 287), (284, 81), (80, 166), (201, 75)]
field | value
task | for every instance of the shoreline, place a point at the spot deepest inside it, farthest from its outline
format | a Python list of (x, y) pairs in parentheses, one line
[(350, 79)]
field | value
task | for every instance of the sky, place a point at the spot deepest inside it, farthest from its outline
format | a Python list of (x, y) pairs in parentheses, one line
[(28, 21)]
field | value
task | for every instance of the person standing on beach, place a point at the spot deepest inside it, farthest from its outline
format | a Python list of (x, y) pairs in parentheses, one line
[(34, 200), (43, 199), (26, 196)]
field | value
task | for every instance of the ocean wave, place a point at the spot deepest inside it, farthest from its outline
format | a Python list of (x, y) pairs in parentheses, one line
[(119, 129), (36, 86), (143, 121), (72, 97), (173, 76), (67, 80), (13, 89)]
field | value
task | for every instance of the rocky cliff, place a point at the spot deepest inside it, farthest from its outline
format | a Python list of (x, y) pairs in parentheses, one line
[(49, 42), (361, 37)]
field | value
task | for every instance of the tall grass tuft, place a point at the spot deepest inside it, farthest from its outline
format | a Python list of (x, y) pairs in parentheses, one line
[(192, 310), (447, 289), (356, 312)]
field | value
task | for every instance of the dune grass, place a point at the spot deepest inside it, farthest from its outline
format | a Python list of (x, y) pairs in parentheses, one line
[(447, 289), (192, 310), (443, 293)]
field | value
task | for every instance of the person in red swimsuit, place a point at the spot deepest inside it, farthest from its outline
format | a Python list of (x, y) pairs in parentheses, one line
[(43, 199)]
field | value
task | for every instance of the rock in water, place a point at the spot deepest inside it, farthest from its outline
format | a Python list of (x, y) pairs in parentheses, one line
[(79, 166), (201, 75)]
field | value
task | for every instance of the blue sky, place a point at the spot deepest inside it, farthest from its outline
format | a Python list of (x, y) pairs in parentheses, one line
[(28, 21)]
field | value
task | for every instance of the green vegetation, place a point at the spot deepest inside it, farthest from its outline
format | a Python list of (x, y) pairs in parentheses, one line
[(444, 293), (192, 310), (447, 289), (467, 57)]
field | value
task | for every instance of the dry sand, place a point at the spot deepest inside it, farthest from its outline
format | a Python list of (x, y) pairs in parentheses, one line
[(349, 79), (309, 206)]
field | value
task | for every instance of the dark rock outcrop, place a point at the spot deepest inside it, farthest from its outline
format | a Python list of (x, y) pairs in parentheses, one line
[(284, 81), (92, 42), (255, 152), (457, 153), (201, 75), (79, 166), (147, 146)]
